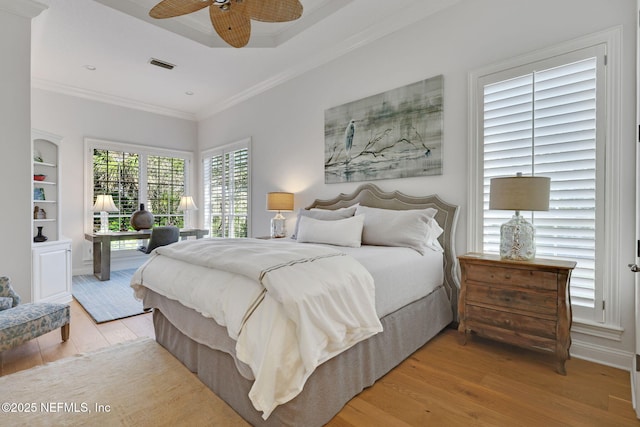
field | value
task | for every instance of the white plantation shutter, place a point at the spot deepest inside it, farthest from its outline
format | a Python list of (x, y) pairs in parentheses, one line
[(226, 191), (545, 123), (133, 175)]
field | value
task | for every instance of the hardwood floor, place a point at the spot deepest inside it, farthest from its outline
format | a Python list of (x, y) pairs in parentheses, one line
[(482, 383), (85, 336)]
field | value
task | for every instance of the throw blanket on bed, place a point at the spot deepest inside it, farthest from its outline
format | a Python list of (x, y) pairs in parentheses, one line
[(318, 303)]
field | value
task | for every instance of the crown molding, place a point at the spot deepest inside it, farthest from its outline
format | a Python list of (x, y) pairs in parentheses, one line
[(26, 8), (109, 99), (403, 19)]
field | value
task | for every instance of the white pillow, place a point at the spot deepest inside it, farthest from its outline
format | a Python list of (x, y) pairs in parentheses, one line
[(324, 214), (341, 232), (415, 228)]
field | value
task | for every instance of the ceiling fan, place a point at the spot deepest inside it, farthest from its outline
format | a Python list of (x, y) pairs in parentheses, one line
[(232, 18)]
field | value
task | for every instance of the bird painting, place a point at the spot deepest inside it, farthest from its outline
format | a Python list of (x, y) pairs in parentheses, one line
[(349, 132)]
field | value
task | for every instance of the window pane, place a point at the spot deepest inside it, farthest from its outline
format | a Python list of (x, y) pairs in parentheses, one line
[(118, 173), (544, 123), (227, 193), (165, 186), (565, 151)]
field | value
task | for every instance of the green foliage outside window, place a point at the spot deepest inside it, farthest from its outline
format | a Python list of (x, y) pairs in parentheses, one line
[(118, 173)]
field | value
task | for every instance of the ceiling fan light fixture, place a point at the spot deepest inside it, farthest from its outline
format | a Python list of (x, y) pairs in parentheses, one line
[(233, 24)]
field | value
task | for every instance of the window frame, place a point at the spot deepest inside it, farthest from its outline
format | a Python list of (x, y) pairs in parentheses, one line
[(222, 150), (606, 319), (90, 144)]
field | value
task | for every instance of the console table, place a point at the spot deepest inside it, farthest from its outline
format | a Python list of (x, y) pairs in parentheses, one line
[(102, 246)]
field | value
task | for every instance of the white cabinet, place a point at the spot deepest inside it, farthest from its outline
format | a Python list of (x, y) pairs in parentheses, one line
[(52, 271), (51, 252)]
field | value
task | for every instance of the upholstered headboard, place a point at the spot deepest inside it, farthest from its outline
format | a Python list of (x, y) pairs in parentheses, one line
[(447, 217)]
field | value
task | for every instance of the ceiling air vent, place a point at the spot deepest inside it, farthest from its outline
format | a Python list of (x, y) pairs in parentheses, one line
[(161, 64)]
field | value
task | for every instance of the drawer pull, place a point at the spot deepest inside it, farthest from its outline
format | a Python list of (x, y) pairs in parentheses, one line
[(507, 276)]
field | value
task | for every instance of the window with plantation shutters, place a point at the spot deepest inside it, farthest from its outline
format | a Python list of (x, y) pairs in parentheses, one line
[(116, 173), (226, 190), (133, 175), (165, 186), (547, 119)]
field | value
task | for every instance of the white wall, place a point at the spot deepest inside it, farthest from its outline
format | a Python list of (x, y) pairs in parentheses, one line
[(15, 147), (75, 119), (287, 129)]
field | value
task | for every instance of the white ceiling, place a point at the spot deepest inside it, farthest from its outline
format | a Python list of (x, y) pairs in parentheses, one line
[(118, 39)]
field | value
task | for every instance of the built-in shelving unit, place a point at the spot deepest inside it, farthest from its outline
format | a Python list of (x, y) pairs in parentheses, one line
[(46, 193), (51, 256)]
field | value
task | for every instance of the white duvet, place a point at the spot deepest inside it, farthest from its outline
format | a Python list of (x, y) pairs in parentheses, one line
[(302, 305)]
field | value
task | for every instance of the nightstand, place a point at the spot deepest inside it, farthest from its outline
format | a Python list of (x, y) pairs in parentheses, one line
[(524, 303)]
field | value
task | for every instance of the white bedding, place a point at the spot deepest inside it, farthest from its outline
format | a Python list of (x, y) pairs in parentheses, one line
[(294, 328), (401, 276)]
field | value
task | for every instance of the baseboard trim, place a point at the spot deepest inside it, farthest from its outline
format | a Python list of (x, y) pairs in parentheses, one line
[(600, 354), (134, 261)]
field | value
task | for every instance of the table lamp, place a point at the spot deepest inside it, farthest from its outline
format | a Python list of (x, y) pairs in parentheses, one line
[(186, 205), (104, 204), (279, 202), (519, 193)]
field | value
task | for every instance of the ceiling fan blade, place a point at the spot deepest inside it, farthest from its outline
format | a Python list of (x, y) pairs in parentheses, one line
[(232, 24), (171, 8), (274, 10)]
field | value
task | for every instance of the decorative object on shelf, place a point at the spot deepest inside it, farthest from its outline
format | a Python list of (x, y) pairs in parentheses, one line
[(39, 213), (104, 204), (142, 219), (519, 193), (38, 193), (39, 177), (40, 237), (37, 157), (279, 202), (187, 205)]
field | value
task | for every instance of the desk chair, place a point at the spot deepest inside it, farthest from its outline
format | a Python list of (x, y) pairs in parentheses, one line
[(161, 236)]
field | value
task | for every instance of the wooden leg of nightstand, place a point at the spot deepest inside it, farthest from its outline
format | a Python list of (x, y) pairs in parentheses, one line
[(562, 353), (561, 369), (462, 335)]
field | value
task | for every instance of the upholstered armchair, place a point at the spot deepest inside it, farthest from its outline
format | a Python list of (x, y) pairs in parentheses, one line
[(20, 323), (8, 297)]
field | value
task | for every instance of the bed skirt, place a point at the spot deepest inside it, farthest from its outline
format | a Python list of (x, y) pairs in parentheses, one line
[(183, 332)]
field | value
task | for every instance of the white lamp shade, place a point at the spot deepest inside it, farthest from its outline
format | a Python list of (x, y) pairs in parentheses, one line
[(104, 203), (279, 201), (187, 204), (520, 193)]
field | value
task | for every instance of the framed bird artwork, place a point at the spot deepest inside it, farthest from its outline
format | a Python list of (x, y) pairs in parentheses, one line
[(394, 134)]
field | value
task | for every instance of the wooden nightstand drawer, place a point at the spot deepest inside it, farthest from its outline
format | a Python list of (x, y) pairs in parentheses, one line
[(513, 276), (514, 298), (511, 321)]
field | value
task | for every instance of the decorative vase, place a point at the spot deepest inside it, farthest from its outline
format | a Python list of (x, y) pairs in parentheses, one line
[(141, 219), (40, 237)]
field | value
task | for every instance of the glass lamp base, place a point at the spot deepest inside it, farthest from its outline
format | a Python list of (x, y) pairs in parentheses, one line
[(517, 239), (278, 228), (104, 222)]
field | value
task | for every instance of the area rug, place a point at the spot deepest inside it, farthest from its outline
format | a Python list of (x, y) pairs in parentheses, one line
[(109, 300), (137, 383)]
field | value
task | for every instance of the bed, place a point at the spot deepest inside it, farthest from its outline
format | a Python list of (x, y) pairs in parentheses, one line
[(407, 318)]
